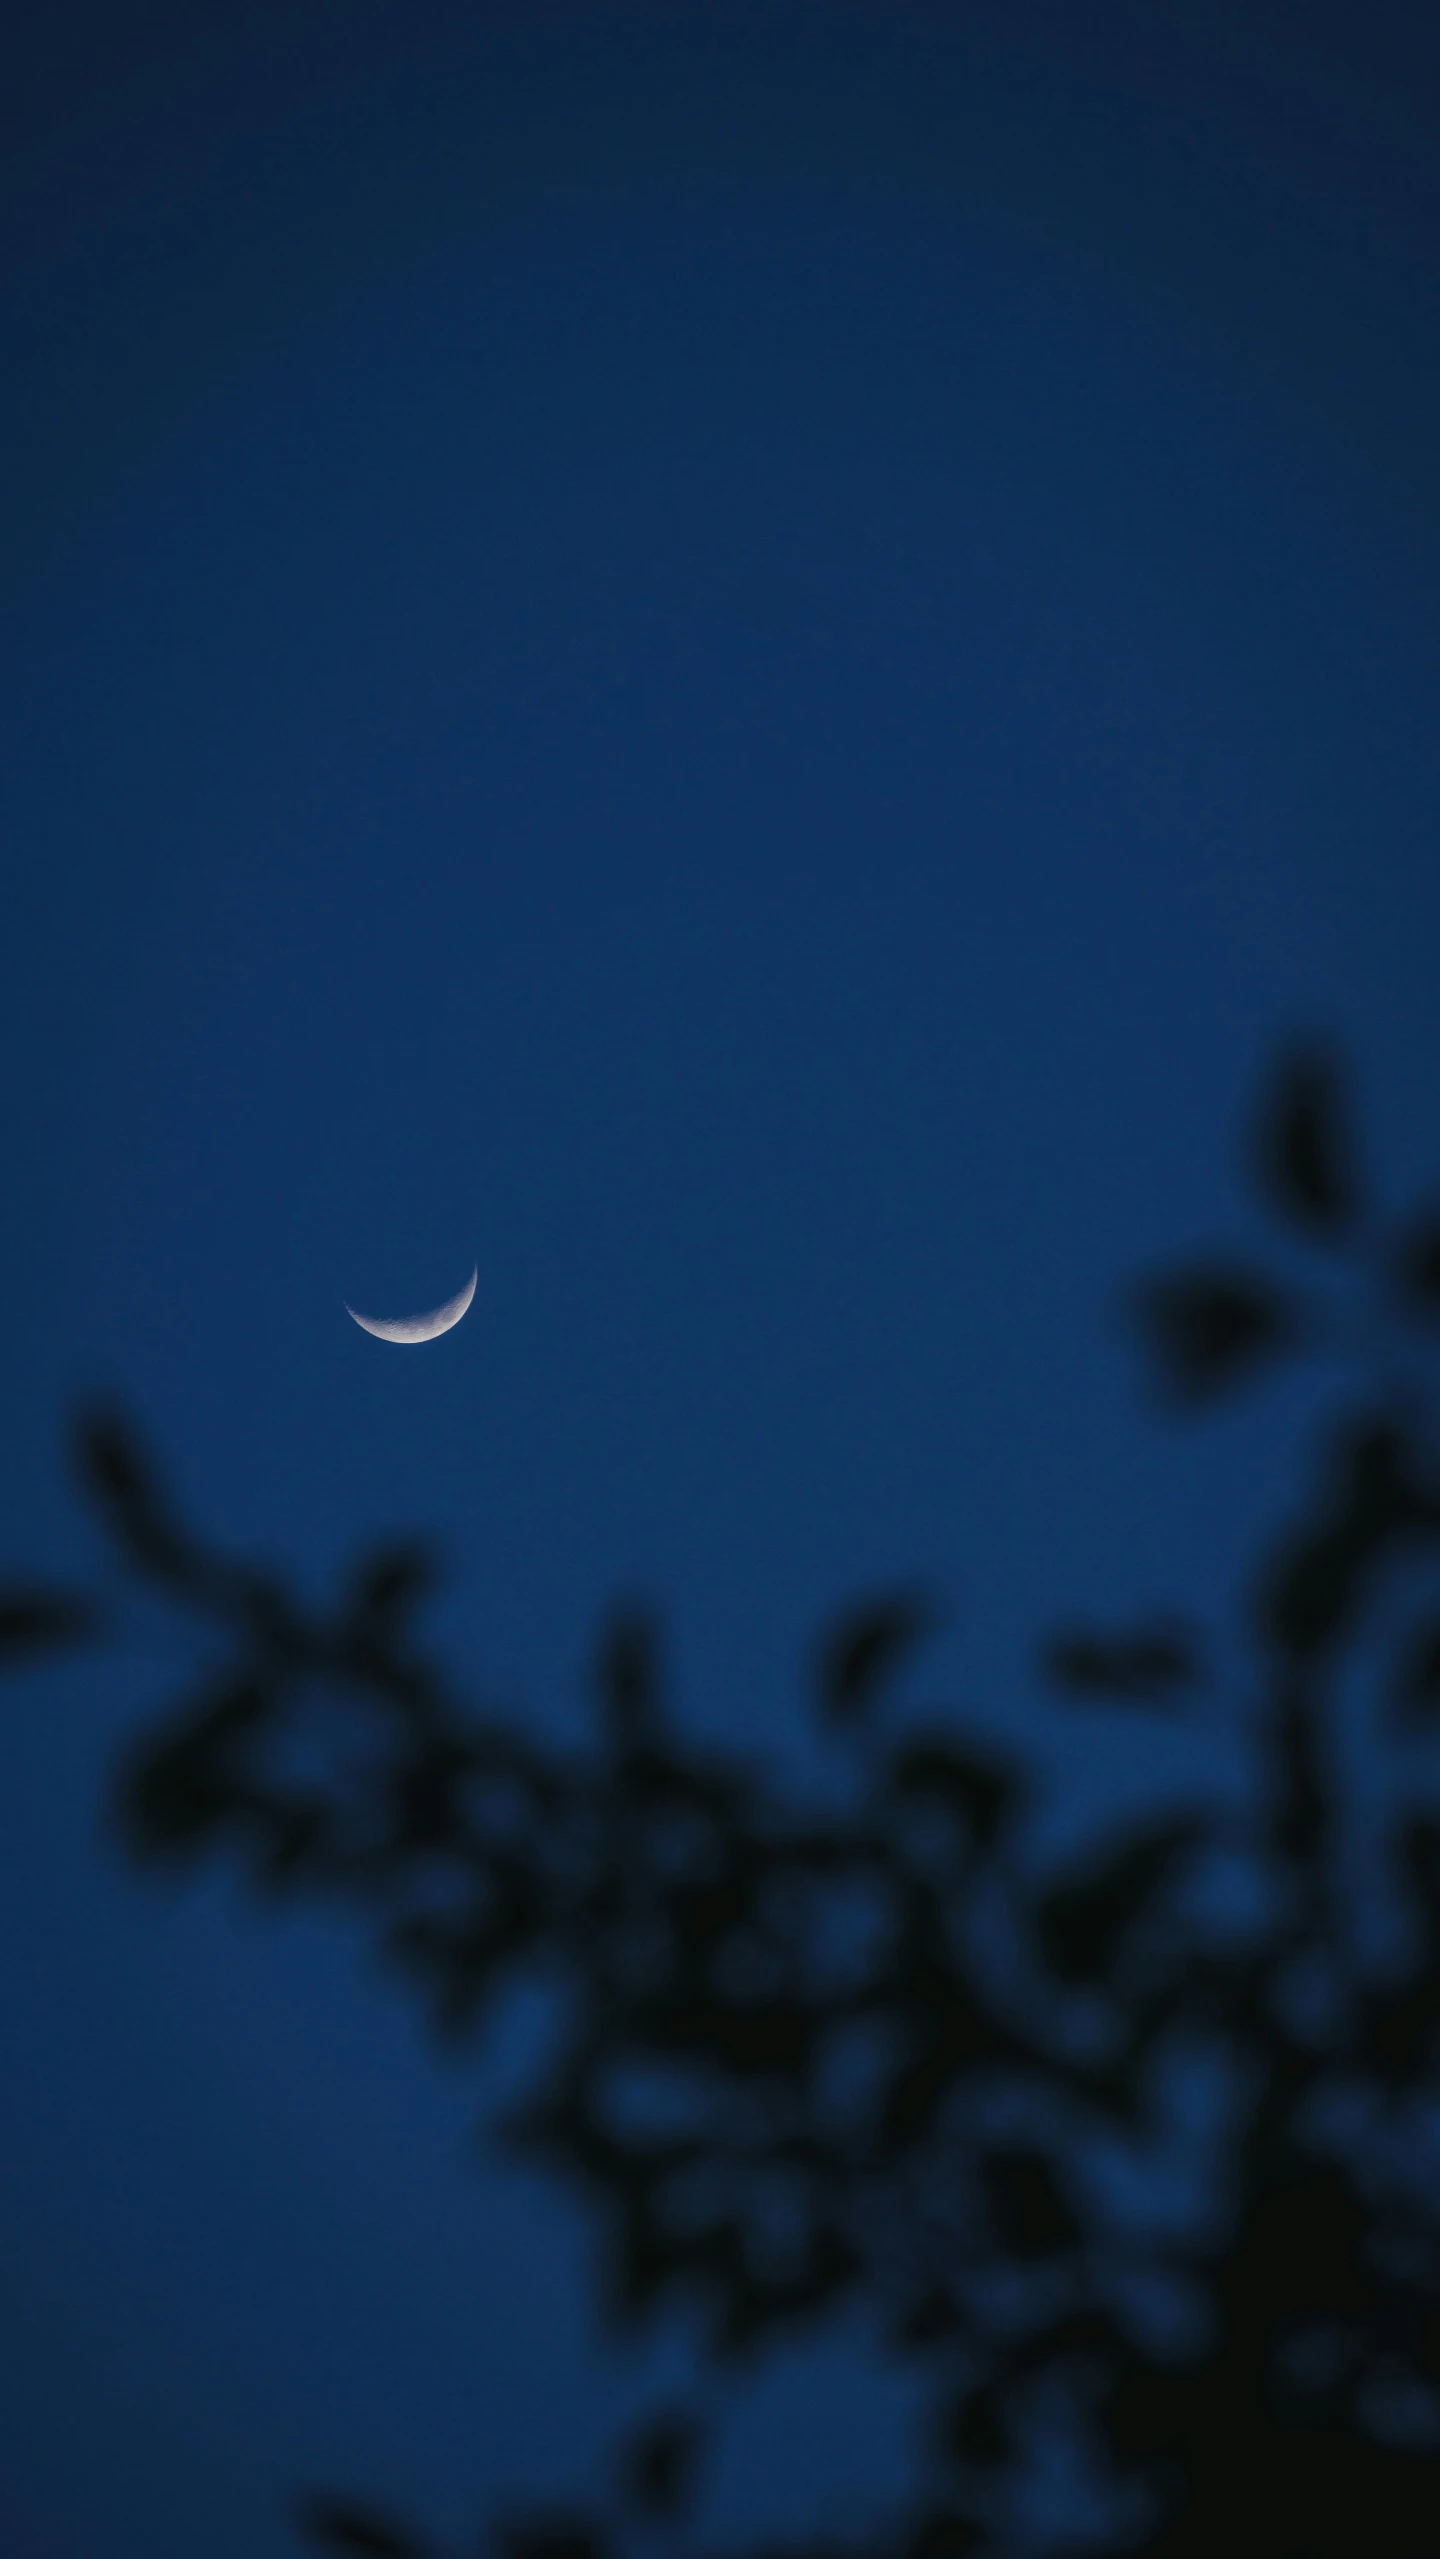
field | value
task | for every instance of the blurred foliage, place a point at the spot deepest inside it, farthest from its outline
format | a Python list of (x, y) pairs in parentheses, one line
[(37, 1621), (880, 2057)]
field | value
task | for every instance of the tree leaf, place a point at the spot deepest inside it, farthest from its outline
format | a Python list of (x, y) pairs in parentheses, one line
[(865, 1648), (1144, 1667), (627, 1676), (975, 1786), (1312, 1588), (1211, 1326), (1084, 1922), (35, 1621), (659, 2465), (1301, 1788), (1417, 1264), (390, 1579), (1417, 1693), (977, 2428), (357, 2532), (935, 2315), (183, 1784), (1418, 1861), (1028, 2207), (1304, 1156), (553, 2537), (118, 1475), (944, 2535)]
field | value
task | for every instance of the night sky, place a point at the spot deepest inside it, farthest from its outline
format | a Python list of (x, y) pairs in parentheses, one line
[(740, 663)]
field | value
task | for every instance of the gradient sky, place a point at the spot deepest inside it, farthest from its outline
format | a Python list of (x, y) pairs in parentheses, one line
[(737, 662)]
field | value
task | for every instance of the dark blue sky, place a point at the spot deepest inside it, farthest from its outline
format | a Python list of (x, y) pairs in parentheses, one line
[(737, 662)]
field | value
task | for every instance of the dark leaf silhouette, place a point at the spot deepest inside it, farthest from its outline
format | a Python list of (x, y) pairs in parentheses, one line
[(1419, 1863), (972, 1786), (1088, 1922), (977, 2429), (627, 1677), (352, 2531), (1145, 1667), (392, 1580), (865, 1649), (38, 1621), (1376, 1500), (1209, 1328), (1300, 1784), (1417, 1265), (945, 2536), (934, 2317), (1027, 2204), (553, 2537), (658, 2471), (1418, 1689), (116, 1471), (1303, 1149), (187, 1784)]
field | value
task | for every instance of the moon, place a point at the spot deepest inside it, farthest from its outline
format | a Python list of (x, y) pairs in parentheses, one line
[(418, 1328)]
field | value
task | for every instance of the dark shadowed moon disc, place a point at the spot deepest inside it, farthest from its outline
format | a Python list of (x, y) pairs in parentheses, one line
[(419, 1328)]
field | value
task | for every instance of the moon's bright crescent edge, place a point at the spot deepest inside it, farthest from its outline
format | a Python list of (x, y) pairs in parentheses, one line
[(418, 1328)]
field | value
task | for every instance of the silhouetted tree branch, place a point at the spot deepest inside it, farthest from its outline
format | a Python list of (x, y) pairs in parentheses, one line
[(805, 2060)]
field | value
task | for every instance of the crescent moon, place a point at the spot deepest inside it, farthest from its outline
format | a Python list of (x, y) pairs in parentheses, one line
[(419, 1328)]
